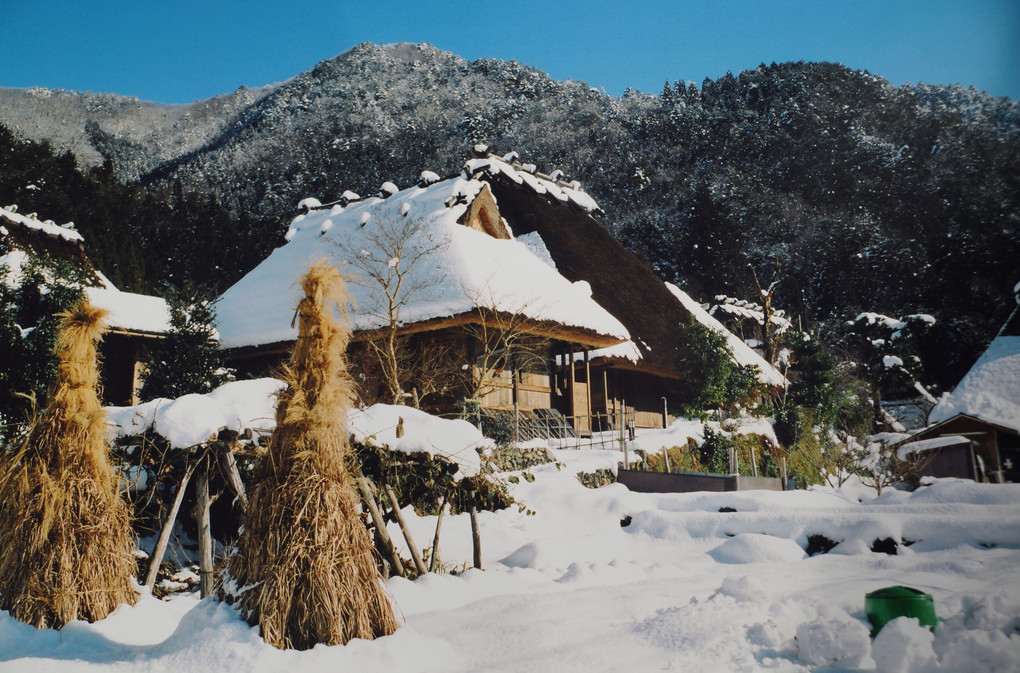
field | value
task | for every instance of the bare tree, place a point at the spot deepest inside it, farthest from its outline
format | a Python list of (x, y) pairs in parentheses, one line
[(505, 341), (770, 342), (393, 247)]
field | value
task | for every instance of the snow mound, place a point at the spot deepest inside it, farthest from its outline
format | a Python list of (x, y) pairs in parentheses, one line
[(835, 639), (193, 419), (903, 646), (456, 440), (757, 548)]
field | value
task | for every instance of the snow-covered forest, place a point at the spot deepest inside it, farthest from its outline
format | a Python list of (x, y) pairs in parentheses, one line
[(898, 200)]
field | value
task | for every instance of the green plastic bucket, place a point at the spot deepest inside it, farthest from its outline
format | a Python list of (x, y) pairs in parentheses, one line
[(887, 604)]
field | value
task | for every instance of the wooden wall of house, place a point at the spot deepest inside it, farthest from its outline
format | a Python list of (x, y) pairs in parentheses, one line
[(534, 391), (998, 449), (637, 393), (121, 358)]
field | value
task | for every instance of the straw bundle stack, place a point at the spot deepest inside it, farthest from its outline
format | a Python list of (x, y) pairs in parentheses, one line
[(65, 533), (305, 567)]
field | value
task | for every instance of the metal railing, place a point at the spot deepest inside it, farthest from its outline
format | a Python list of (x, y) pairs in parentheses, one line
[(583, 431)]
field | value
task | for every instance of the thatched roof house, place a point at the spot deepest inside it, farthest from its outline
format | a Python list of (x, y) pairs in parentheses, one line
[(983, 410), (133, 320), (502, 236)]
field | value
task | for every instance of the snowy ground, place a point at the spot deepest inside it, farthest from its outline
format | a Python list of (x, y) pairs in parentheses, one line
[(682, 587)]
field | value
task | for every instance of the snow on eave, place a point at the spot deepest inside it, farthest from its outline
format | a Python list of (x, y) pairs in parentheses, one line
[(48, 228), (130, 312), (923, 445), (741, 353), (460, 269), (626, 351)]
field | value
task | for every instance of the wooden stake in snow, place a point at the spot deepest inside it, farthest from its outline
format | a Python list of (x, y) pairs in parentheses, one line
[(476, 539), (380, 524), (164, 536), (434, 559), (419, 564), (205, 544)]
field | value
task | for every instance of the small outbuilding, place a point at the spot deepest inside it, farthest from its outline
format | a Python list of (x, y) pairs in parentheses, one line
[(974, 430), (134, 320)]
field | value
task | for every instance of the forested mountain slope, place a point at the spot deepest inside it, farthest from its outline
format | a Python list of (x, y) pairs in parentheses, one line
[(870, 196)]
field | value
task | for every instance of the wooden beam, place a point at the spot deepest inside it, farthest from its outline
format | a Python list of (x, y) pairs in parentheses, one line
[(228, 463), (205, 543), (415, 554), (587, 378), (164, 537)]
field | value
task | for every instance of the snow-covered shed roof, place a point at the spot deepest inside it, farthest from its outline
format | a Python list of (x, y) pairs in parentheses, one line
[(128, 312), (990, 391), (743, 354), (451, 269)]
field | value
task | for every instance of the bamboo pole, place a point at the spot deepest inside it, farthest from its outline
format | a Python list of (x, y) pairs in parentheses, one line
[(476, 539), (415, 554), (434, 562), (164, 536), (205, 544), (380, 524)]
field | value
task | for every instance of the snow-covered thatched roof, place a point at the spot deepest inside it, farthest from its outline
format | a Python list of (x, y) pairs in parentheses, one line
[(9, 216), (451, 269), (990, 391), (742, 354)]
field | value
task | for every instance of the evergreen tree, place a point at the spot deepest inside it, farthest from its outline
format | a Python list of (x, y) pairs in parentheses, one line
[(188, 360), (30, 300)]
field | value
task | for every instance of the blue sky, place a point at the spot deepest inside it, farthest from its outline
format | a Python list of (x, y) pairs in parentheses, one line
[(185, 50)]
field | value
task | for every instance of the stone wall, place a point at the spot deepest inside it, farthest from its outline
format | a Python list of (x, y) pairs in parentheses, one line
[(514, 458), (597, 478)]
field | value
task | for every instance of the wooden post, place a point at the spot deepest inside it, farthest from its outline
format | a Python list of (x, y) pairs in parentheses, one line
[(665, 454), (415, 554), (434, 560), (570, 384), (623, 438), (205, 551), (229, 466), (587, 394), (168, 527), (380, 524), (754, 463), (476, 539), (782, 465)]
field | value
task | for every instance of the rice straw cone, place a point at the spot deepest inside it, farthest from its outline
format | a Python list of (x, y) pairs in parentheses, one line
[(305, 568), (66, 545)]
